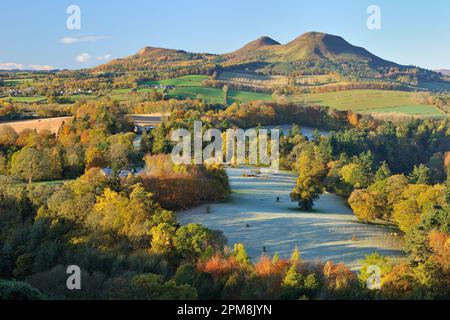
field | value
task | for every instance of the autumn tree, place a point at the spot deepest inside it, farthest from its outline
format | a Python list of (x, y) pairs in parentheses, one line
[(241, 255), (161, 143), (311, 167), (366, 205), (447, 187), (32, 164), (8, 137), (192, 240), (358, 173), (225, 95)]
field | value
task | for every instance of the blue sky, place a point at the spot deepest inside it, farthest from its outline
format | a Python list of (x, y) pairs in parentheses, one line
[(412, 32)]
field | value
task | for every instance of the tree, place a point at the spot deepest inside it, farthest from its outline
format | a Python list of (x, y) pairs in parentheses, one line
[(358, 173), (192, 240), (152, 286), (447, 187), (31, 165), (367, 205), (295, 285), (225, 95), (95, 158), (132, 216), (162, 238), (161, 143), (120, 149), (292, 278), (8, 137), (295, 256), (374, 259), (415, 200), (3, 167), (146, 142), (16, 290), (420, 175), (383, 172), (241, 255), (311, 168)]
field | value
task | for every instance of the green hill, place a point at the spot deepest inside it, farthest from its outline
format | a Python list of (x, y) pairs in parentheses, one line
[(312, 53)]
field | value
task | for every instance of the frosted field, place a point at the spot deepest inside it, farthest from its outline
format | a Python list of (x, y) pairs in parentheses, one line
[(253, 217)]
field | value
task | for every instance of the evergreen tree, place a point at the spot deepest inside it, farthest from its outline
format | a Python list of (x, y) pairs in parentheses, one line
[(295, 256), (241, 254), (447, 189), (383, 172), (420, 175)]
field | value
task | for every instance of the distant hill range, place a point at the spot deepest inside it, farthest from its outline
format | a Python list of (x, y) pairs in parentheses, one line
[(445, 72), (312, 54)]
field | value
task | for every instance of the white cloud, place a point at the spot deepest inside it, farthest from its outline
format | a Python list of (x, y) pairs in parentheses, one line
[(41, 67), (104, 57), (21, 66), (11, 66), (83, 57), (72, 40)]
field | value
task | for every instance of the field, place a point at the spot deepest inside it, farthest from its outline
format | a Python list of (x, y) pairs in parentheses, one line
[(254, 218), (364, 101), (27, 99), (214, 95), (370, 101), (185, 81), (51, 124), (274, 80), (254, 79)]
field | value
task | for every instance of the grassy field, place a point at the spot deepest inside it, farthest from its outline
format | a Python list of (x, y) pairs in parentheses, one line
[(420, 109), (370, 101), (253, 217), (26, 99), (185, 81), (214, 95)]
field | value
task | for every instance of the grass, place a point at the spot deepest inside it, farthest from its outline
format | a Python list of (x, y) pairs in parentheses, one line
[(365, 101), (214, 95), (27, 99), (52, 183), (323, 234), (184, 81), (421, 109), (369, 101), (15, 82)]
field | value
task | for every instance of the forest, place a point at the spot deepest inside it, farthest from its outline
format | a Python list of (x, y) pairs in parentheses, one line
[(122, 232)]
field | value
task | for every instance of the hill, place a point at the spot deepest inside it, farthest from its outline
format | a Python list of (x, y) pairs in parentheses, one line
[(312, 53), (445, 72)]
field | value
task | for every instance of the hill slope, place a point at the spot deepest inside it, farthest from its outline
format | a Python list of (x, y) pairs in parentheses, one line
[(312, 53)]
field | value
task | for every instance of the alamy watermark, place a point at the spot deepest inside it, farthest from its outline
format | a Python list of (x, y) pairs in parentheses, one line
[(374, 280), (374, 19), (73, 22), (241, 147), (74, 280)]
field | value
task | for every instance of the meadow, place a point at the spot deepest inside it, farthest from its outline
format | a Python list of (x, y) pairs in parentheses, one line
[(253, 217), (370, 101), (364, 101)]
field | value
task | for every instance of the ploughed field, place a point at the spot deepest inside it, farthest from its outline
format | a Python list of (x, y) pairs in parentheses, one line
[(254, 217)]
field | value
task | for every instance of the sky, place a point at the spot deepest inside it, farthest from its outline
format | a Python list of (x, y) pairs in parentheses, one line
[(35, 34)]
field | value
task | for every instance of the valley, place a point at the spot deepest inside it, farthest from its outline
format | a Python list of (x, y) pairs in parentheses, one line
[(253, 217)]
